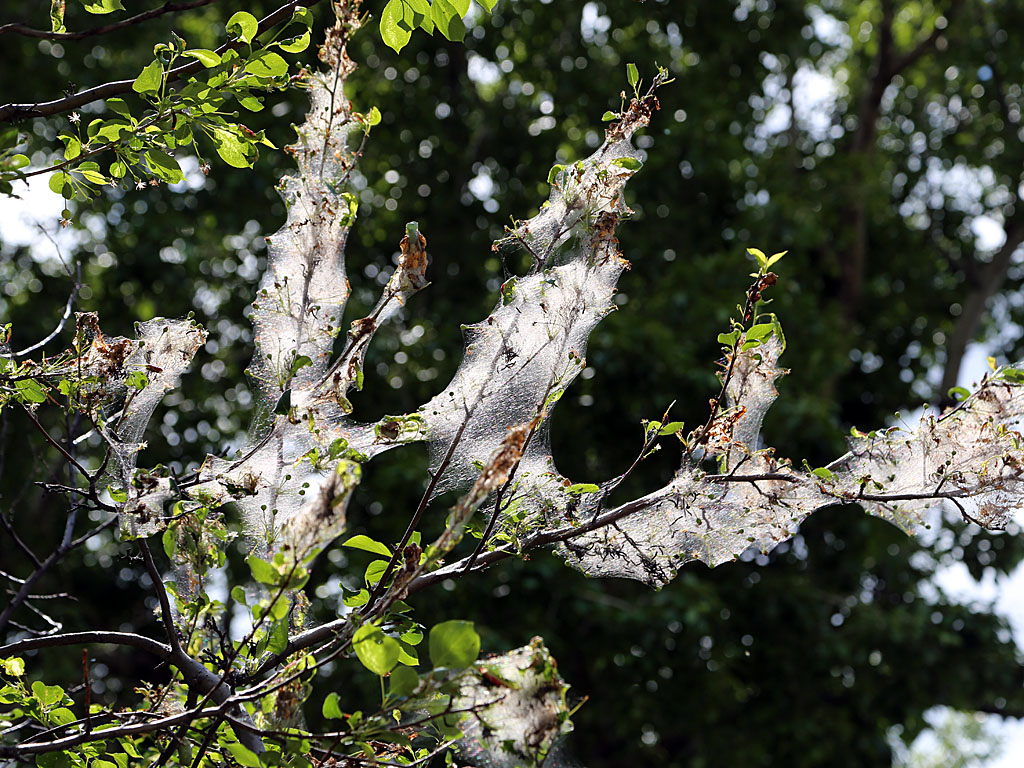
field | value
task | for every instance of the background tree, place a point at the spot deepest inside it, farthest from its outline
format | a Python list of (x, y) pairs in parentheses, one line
[(885, 265)]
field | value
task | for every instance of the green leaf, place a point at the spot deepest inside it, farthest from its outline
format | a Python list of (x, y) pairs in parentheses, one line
[(417, 14), (759, 331), (72, 146), (375, 571), (266, 64), (367, 544), (488, 5), (758, 254), (823, 473), (205, 56), (238, 594), (403, 681), (149, 79), (54, 760), (299, 363), (137, 380), (394, 28), (671, 428), (448, 19), (279, 608), (508, 291), (170, 535), (278, 636), (295, 44), (233, 150), (407, 655), (359, 599), (959, 393), (92, 174), (47, 695), (61, 716), (243, 755), (109, 130), (102, 6), (164, 166), (30, 390), (14, 666), (57, 16), (629, 163), (302, 15), (774, 258), (332, 707), (413, 636), (261, 138), (632, 74), (14, 162), (421, 15), (418, 8), (578, 489), (284, 403), (373, 117), (243, 26), (57, 181), (378, 652), (251, 103), (609, 115), (119, 106), (461, 6), (262, 571), (454, 644), (553, 173), (728, 339)]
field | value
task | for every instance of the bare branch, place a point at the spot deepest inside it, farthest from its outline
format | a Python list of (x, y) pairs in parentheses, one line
[(88, 638), (158, 584)]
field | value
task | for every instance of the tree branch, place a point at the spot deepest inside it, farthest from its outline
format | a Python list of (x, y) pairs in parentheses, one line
[(976, 304), (42, 34), (158, 584), (88, 638), (13, 112), (884, 68)]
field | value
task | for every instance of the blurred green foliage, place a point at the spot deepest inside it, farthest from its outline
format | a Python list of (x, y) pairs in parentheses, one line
[(805, 657)]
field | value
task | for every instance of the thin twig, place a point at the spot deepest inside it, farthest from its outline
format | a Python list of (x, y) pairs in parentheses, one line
[(55, 444), (161, 592)]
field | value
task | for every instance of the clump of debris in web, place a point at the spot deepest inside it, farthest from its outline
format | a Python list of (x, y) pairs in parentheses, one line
[(516, 707), (135, 374)]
